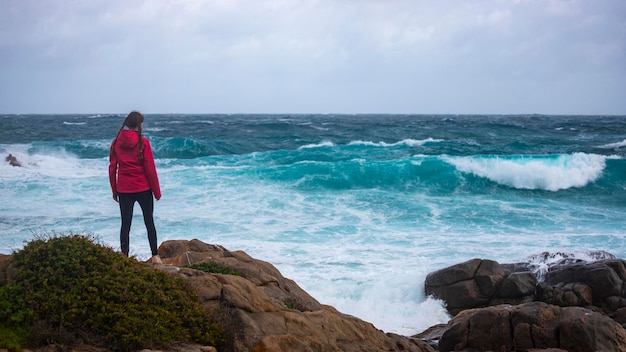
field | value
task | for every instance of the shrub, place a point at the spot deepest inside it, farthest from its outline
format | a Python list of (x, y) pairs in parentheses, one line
[(11, 339), (70, 283), (216, 268)]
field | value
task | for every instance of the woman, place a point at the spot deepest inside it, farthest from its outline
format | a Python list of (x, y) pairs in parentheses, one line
[(133, 178)]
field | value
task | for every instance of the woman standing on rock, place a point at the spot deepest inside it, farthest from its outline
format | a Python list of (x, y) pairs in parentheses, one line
[(133, 178)]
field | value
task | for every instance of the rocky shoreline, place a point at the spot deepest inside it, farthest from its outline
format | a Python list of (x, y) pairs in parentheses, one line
[(263, 311), (571, 305)]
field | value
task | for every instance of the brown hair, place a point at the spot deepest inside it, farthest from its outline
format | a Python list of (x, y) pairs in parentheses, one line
[(134, 120)]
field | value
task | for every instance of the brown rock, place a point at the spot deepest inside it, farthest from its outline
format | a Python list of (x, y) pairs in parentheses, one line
[(619, 316), (459, 295), (532, 326), (479, 283), (456, 286), (604, 281), (566, 294), (613, 303), (433, 333), (453, 274), (606, 277), (571, 282), (521, 284), (263, 311), (488, 277)]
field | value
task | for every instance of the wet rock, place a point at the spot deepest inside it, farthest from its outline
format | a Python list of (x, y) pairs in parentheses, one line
[(479, 283), (12, 160)]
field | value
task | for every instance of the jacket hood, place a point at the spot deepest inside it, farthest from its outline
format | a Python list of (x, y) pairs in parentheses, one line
[(127, 139)]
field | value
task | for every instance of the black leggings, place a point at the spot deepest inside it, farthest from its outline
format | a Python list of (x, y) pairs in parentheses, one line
[(127, 203)]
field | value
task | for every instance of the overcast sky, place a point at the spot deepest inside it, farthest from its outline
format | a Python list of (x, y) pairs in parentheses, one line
[(290, 56)]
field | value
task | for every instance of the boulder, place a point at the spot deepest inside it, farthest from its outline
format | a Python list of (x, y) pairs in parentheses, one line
[(619, 316), (532, 326), (569, 282), (263, 311), (603, 283), (565, 294), (518, 285), (432, 335), (479, 283), (561, 295)]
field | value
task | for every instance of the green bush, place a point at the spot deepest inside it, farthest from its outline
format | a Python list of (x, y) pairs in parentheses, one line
[(12, 339), (216, 268), (70, 283)]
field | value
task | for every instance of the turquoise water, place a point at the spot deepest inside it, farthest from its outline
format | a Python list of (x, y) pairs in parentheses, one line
[(357, 209)]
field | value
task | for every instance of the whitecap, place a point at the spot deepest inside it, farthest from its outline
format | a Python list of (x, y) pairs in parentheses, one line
[(317, 145), (616, 145), (535, 172), (408, 142), (155, 129)]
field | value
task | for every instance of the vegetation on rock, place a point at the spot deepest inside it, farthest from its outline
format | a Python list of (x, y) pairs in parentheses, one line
[(216, 268), (73, 284)]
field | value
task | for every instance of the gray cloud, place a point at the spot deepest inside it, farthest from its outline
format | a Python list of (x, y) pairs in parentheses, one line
[(394, 56)]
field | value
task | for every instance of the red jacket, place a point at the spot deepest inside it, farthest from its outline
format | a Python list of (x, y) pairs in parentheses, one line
[(127, 174)]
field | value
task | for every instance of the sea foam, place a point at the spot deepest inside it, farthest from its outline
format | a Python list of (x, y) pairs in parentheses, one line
[(405, 142)]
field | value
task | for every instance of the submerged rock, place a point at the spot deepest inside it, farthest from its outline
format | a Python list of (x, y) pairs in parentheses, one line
[(12, 160)]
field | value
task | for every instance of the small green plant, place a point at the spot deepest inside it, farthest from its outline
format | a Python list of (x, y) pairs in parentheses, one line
[(12, 339), (291, 304), (215, 268), (71, 284)]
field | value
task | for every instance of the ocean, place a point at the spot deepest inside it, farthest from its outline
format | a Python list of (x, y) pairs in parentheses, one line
[(357, 209)]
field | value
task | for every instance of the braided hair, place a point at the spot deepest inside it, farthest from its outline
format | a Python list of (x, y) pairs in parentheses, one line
[(134, 120)]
